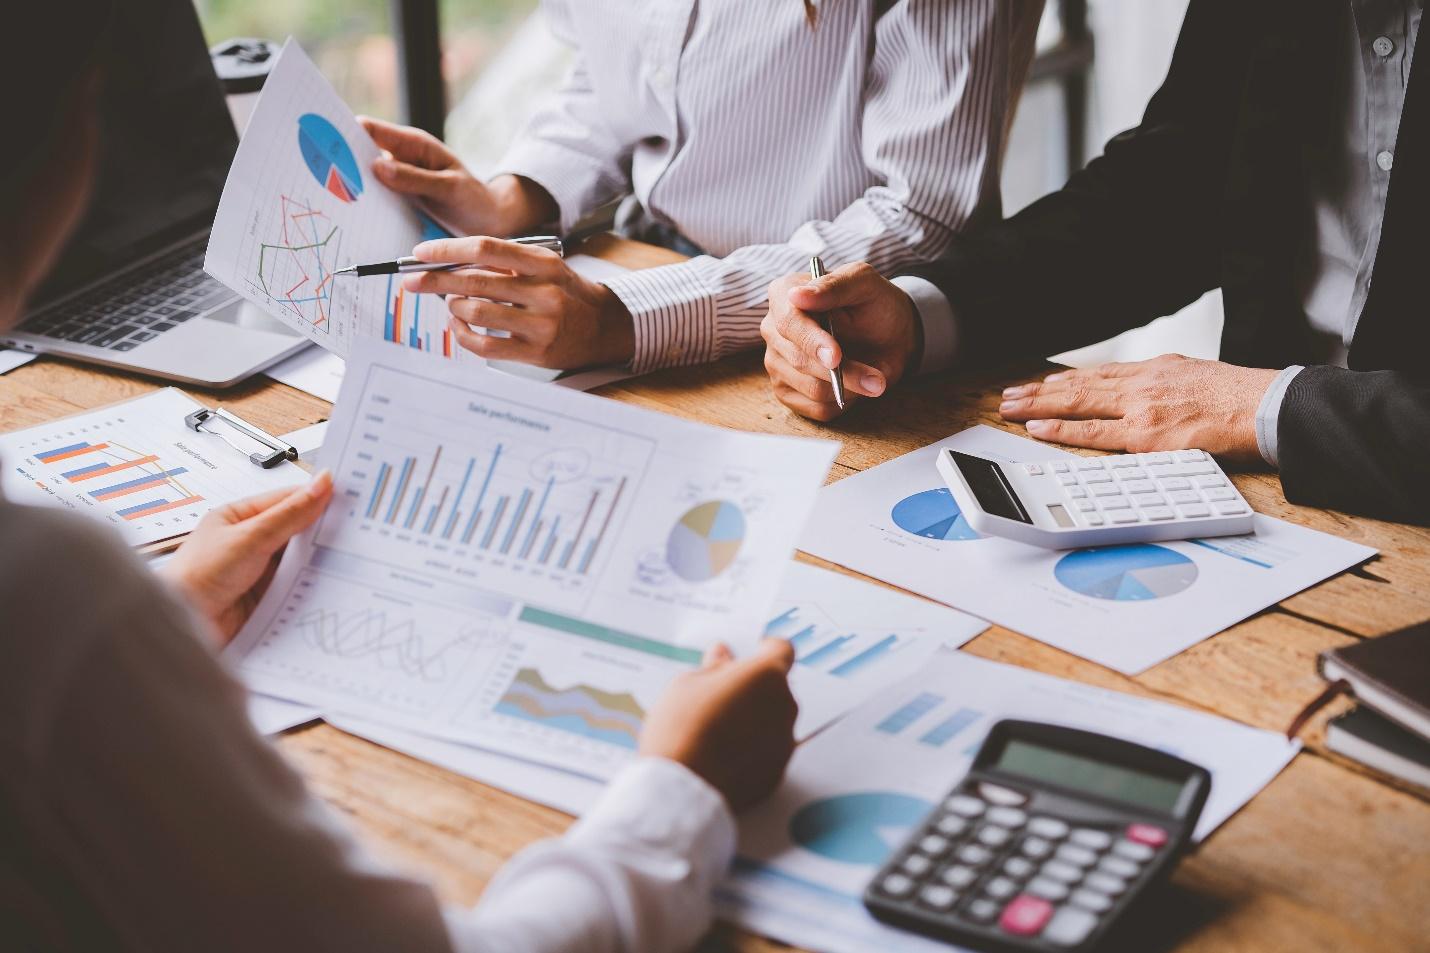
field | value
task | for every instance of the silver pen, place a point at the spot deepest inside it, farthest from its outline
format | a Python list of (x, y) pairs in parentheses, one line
[(836, 374), (405, 264)]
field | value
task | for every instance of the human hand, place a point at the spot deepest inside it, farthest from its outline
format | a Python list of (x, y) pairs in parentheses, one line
[(877, 329), (1168, 403), (227, 562), (556, 318), (419, 164), (731, 722)]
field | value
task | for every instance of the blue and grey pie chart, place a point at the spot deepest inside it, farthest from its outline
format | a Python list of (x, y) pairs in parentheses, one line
[(861, 828), (1131, 573), (932, 514)]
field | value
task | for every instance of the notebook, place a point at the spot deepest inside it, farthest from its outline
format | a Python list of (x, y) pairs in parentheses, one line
[(1389, 674), (1366, 737)]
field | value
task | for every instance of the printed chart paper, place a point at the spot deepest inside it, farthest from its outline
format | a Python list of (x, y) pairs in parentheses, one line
[(135, 466), (522, 567), (1126, 607), (854, 792)]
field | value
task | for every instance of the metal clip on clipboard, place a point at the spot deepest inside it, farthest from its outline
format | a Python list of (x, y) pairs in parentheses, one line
[(278, 450)]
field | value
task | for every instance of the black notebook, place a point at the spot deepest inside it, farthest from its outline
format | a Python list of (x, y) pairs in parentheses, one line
[(1379, 743), (1390, 674)]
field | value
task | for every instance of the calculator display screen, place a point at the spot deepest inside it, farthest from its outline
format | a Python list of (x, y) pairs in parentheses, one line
[(1089, 775), (990, 487)]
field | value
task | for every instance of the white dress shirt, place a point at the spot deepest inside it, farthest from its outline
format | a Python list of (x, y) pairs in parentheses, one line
[(875, 135), (140, 811)]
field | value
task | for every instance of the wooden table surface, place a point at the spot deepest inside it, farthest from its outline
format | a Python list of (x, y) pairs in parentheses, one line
[(1329, 857)]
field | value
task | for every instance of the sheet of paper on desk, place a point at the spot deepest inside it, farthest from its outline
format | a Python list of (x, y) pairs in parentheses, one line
[(135, 466), (852, 793), (1126, 607), (9, 360), (519, 566)]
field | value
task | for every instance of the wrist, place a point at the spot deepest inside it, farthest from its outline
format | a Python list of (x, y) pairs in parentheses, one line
[(617, 332), (519, 205)]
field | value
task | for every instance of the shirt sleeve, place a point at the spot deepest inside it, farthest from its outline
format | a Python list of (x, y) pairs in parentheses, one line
[(566, 147), (637, 872), (933, 136), (1268, 414), (935, 315)]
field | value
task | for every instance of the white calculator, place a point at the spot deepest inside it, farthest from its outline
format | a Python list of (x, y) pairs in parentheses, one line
[(1097, 501)]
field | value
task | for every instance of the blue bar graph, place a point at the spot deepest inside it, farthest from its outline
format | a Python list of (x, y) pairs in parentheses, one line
[(825, 651), (378, 486), (550, 541), (909, 713), (950, 728), (782, 621), (866, 657), (407, 466), (802, 637), (119, 488), (502, 501), (521, 506), (536, 520), (457, 503)]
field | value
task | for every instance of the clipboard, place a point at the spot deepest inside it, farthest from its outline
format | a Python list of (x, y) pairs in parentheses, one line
[(204, 420)]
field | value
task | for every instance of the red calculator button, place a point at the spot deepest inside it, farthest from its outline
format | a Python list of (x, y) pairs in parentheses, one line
[(1025, 916), (1146, 834)]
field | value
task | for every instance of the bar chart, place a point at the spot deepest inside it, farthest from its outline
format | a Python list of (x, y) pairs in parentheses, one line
[(403, 321), (144, 487), (820, 643)]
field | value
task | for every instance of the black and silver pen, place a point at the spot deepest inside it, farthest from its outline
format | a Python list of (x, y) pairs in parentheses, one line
[(401, 266), (836, 373)]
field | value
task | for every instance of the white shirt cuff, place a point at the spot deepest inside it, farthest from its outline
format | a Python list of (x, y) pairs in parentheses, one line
[(936, 315), (1268, 413)]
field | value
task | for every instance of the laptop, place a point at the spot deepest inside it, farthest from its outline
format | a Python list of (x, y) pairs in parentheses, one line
[(129, 290)]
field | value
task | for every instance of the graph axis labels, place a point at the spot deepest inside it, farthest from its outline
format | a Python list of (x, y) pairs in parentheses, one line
[(932, 514)]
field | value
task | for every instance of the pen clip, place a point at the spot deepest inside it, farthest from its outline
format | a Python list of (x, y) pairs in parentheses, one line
[(277, 450)]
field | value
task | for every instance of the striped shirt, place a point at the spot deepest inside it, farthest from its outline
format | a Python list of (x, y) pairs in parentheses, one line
[(875, 136)]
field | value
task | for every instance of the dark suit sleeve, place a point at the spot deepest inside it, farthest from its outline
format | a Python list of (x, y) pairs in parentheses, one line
[(1132, 237), (1357, 441)]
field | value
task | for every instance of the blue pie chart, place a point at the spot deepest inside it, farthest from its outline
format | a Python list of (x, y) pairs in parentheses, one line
[(329, 157), (932, 514), (1132, 573), (862, 828)]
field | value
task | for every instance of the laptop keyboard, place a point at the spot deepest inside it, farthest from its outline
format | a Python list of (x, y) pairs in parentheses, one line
[(137, 306)]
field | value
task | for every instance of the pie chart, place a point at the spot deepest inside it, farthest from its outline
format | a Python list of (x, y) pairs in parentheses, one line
[(1126, 573), (328, 157), (706, 540), (932, 514), (861, 828)]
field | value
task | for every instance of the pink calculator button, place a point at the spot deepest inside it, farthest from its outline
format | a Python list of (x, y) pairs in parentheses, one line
[(1025, 916), (1146, 834)]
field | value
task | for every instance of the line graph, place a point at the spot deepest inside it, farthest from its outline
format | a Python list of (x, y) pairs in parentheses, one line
[(296, 270), (395, 644)]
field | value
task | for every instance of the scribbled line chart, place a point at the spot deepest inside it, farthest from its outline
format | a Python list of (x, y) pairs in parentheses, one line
[(118, 473), (821, 644), (396, 644), (612, 717), (296, 268)]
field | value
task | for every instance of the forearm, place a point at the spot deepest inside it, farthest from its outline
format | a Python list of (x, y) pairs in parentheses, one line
[(521, 204)]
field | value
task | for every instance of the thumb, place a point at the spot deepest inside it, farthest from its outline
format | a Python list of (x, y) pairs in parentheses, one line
[(291, 515), (715, 656), (777, 653)]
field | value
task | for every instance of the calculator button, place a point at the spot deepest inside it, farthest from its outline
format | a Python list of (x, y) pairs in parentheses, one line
[(1093, 478), (973, 854), (1118, 867), (1093, 519), (1105, 489), (1105, 883), (1033, 469), (1117, 503), (1220, 493), (1150, 499), (1120, 462), (933, 845), (1184, 496), (981, 909), (938, 897), (1007, 816), (1060, 468), (1069, 927), (1176, 483), (1158, 513), (1123, 516), (1076, 493), (1067, 479), (1047, 888), (1025, 916), (1190, 456), (1049, 827), (964, 805), (1194, 511), (1058, 870), (1074, 854), (1003, 796), (916, 865), (1036, 847), (1215, 479), (1089, 463), (1159, 457), (1091, 837), (1195, 469), (896, 885), (991, 836), (1086, 506), (1018, 867), (1234, 508), (1136, 473), (1139, 486), (960, 877), (1149, 834), (1091, 900), (950, 825), (1132, 850), (1000, 888)]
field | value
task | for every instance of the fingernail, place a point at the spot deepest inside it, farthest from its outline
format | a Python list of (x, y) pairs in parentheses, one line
[(320, 483), (1008, 405), (1036, 427), (826, 355), (1057, 377), (873, 384), (382, 164), (1018, 391)]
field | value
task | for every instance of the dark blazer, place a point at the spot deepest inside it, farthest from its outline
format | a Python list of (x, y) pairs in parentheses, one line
[(1211, 191)]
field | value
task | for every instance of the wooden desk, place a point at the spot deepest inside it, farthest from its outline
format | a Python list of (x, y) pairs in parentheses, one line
[(1326, 858)]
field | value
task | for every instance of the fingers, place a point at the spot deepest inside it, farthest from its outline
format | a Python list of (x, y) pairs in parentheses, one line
[(802, 341), (490, 347), (1095, 434), (494, 253), (408, 145), (715, 656), (776, 653), (298, 510), (475, 283), (844, 287), (489, 314), (1110, 371), (1070, 401)]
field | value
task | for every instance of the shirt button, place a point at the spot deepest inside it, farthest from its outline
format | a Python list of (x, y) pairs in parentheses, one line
[(1385, 160), (1383, 46)]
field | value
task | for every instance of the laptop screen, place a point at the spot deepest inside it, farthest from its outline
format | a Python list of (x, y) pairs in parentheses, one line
[(166, 141)]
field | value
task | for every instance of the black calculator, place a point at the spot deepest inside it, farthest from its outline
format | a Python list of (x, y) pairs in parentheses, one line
[(1045, 844)]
